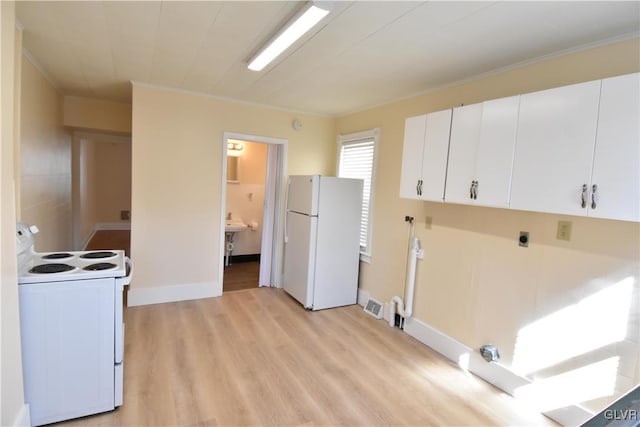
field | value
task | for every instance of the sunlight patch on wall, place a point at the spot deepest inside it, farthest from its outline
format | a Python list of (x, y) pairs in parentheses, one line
[(579, 385), (596, 321)]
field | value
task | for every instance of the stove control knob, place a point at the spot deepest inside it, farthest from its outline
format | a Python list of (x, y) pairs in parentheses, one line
[(33, 229)]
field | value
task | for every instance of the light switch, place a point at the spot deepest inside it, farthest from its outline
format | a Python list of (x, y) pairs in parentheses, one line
[(564, 231)]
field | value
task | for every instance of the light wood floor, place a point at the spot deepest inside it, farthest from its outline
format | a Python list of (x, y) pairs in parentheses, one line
[(256, 357), (111, 239), (241, 275)]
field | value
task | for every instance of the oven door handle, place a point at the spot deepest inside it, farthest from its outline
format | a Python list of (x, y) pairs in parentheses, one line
[(126, 280)]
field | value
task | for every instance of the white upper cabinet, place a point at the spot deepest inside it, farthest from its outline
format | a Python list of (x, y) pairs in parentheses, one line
[(424, 156), (555, 148), (414, 129), (615, 182), (481, 152), (463, 152)]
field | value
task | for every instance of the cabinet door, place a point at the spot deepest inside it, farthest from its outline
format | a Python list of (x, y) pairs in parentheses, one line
[(495, 151), (554, 148), (434, 159), (411, 173), (463, 151), (616, 165)]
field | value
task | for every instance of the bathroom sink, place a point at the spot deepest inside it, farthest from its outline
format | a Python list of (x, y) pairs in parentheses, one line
[(232, 226)]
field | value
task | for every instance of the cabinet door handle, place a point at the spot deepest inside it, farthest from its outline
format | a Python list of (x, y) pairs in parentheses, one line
[(584, 195), (418, 188), (594, 189), (471, 190), (475, 190)]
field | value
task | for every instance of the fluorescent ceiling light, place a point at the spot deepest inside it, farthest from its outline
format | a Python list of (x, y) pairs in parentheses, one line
[(296, 28)]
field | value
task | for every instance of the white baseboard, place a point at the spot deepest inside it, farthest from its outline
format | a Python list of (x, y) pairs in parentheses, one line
[(105, 226), (23, 419), (113, 226), (174, 293), (363, 297), (494, 373)]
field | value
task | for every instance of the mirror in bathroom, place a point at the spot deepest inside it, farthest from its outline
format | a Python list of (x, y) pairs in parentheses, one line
[(233, 164)]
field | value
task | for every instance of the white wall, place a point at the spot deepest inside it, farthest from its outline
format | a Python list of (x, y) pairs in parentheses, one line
[(177, 183), (45, 167)]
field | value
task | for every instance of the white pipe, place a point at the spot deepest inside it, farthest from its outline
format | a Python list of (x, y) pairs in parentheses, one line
[(392, 315), (407, 311), (411, 277)]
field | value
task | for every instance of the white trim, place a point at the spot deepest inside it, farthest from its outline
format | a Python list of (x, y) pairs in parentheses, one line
[(363, 297), (113, 226), (23, 419), (278, 244), (233, 100), (41, 69), (174, 293), (494, 373)]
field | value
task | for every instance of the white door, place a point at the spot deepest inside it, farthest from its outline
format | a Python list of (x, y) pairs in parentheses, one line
[(616, 166), (554, 149), (463, 151), (494, 164), (299, 257), (338, 243), (434, 157), (411, 172), (303, 194)]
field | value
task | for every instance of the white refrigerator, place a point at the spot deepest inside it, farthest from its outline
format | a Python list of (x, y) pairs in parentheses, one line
[(322, 240)]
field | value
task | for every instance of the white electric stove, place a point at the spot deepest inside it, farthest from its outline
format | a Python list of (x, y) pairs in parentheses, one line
[(72, 329)]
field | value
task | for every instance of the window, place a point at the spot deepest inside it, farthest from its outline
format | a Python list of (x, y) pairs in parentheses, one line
[(356, 159)]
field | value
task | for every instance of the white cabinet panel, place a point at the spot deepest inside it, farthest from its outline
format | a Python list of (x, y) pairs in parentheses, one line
[(424, 156), (411, 173), (463, 151), (554, 148), (481, 152), (495, 154), (616, 167), (434, 158)]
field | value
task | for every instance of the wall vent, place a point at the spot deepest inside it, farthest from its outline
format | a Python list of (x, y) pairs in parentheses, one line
[(374, 308)]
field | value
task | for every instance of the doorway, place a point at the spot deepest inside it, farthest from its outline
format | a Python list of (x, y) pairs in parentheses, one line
[(271, 246)]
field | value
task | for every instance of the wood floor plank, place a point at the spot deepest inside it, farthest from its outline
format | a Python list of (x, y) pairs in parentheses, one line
[(258, 358)]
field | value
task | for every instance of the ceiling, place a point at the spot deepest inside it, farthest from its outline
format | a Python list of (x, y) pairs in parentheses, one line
[(364, 53)]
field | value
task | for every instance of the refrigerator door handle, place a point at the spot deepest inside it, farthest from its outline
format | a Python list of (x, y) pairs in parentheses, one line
[(286, 213)]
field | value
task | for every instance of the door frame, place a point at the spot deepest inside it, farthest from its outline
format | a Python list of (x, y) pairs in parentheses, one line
[(277, 179)]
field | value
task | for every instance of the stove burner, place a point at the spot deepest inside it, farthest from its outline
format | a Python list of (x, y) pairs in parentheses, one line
[(57, 256), (100, 266), (97, 255), (51, 268)]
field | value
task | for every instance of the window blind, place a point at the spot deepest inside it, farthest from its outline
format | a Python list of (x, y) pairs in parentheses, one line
[(356, 161)]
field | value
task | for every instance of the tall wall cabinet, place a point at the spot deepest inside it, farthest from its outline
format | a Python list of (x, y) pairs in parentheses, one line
[(571, 150)]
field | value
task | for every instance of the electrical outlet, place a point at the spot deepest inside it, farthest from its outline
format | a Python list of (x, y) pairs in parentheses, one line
[(564, 231), (427, 222), (125, 215), (523, 240)]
